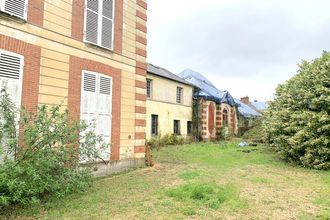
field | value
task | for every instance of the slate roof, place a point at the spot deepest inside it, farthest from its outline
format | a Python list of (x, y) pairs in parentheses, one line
[(260, 106), (159, 71), (246, 110)]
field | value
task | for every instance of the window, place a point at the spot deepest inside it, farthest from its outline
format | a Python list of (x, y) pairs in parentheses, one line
[(225, 117), (96, 105), (189, 127), (11, 74), (154, 125), (149, 88), (179, 91), (99, 24), (11, 71), (177, 127), (16, 8)]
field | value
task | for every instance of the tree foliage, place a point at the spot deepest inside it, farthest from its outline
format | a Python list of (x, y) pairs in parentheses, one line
[(297, 123), (40, 154)]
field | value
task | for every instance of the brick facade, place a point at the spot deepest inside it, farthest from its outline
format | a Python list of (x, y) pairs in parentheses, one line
[(31, 71), (77, 65), (36, 12)]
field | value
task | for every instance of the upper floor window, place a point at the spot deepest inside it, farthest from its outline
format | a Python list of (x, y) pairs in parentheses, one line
[(179, 93), (149, 88), (99, 22), (16, 8)]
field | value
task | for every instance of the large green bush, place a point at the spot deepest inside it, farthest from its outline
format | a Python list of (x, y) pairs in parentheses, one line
[(297, 123), (42, 158)]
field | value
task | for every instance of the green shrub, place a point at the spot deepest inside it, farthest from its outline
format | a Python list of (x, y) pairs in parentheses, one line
[(43, 160), (297, 123), (223, 133), (168, 139), (256, 132)]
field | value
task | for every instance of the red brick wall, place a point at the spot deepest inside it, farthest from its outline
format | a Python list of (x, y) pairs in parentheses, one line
[(31, 69), (211, 113), (76, 66), (78, 19), (36, 12)]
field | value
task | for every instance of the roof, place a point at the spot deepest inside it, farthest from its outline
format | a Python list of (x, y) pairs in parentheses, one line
[(260, 106), (245, 110), (159, 71), (207, 89)]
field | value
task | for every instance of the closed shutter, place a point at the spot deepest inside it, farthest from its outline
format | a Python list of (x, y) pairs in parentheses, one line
[(11, 69), (99, 22), (15, 7), (96, 105)]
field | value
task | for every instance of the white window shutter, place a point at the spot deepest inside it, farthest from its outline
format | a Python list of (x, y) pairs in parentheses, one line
[(15, 7), (92, 21), (96, 105), (11, 71), (107, 24), (11, 75)]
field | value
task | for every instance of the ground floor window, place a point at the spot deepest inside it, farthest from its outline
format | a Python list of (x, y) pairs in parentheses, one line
[(189, 127), (96, 105), (177, 127), (154, 125), (225, 117)]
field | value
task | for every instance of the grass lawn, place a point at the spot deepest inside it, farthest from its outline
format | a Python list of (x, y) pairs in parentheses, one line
[(202, 181)]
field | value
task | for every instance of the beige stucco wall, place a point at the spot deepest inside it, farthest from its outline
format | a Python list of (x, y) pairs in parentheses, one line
[(57, 46), (163, 103)]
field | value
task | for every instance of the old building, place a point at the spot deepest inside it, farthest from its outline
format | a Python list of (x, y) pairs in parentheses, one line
[(217, 108), (169, 103), (89, 56)]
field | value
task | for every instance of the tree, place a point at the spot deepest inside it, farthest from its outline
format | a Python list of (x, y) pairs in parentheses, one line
[(297, 123)]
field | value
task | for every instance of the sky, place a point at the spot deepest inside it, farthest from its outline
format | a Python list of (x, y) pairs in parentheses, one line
[(247, 47)]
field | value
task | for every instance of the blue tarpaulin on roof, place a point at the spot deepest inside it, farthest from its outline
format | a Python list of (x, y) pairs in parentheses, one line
[(206, 89), (209, 92)]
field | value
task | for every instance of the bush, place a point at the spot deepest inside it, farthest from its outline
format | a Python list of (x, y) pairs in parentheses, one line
[(256, 132), (223, 133), (297, 123), (43, 160), (168, 139)]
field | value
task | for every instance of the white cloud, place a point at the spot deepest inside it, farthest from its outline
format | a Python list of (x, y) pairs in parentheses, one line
[(244, 46)]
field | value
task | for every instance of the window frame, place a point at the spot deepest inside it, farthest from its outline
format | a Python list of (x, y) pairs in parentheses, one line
[(178, 130), (179, 95), (189, 128), (150, 88), (154, 116), (99, 30), (26, 4), (225, 118)]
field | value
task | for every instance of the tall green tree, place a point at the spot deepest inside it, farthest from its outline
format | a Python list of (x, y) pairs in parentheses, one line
[(297, 123)]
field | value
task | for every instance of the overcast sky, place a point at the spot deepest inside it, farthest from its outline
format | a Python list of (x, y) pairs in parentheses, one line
[(244, 46)]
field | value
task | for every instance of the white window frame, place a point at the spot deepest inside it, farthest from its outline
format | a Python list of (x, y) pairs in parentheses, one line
[(2, 9), (99, 28), (178, 88)]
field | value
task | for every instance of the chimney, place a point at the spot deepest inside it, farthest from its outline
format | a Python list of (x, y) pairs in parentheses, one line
[(245, 100)]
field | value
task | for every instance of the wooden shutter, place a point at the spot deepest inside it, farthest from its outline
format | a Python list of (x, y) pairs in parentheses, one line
[(96, 105), (11, 69), (92, 21), (105, 111), (99, 23), (15, 7), (107, 24)]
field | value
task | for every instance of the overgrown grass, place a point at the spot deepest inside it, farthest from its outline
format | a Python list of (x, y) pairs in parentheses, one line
[(201, 181)]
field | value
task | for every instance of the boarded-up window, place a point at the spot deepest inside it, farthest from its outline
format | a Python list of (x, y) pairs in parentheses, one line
[(16, 8), (99, 22), (96, 105)]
